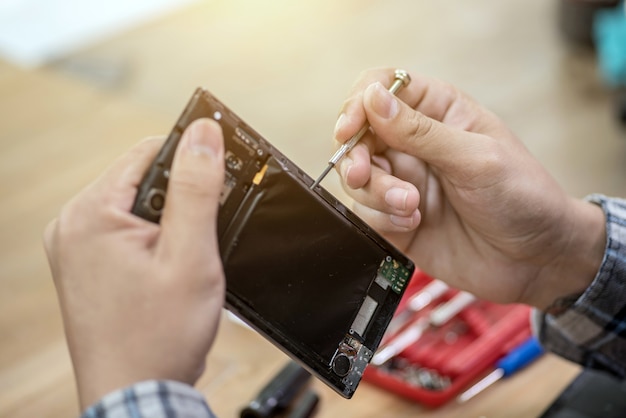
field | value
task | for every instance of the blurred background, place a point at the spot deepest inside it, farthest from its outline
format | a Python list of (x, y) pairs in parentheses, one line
[(81, 82)]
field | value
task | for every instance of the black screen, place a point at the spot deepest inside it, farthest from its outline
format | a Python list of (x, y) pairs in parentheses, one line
[(316, 286)]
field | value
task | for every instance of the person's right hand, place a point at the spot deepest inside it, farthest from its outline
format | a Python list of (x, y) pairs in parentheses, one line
[(446, 181)]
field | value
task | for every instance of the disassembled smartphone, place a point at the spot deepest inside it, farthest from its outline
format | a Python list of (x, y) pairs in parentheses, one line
[(300, 267)]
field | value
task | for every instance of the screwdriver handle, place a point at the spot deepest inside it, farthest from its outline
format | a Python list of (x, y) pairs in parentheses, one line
[(520, 357), (516, 359)]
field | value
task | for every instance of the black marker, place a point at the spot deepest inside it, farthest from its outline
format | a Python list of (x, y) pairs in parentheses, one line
[(278, 393), (305, 406)]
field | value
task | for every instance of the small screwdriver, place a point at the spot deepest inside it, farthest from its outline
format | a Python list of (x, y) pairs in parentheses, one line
[(515, 360), (401, 79)]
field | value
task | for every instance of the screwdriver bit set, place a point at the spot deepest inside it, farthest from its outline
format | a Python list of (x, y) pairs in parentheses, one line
[(441, 341)]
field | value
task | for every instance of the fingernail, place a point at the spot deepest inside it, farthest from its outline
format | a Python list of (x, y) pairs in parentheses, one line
[(341, 122), (198, 137), (407, 222), (383, 102), (396, 198), (401, 221), (346, 166)]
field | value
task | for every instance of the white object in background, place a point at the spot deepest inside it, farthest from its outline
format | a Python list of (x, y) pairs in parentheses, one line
[(437, 317), (34, 32)]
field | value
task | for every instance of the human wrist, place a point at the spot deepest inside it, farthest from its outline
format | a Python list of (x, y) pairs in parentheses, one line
[(562, 281), (104, 373), (146, 397), (97, 384)]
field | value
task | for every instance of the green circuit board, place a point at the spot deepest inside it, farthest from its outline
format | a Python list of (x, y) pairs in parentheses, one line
[(395, 273)]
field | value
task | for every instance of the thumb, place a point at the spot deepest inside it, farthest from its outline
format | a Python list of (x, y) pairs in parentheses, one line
[(189, 217), (407, 130)]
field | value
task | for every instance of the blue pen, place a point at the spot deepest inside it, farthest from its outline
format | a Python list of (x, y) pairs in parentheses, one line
[(515, 360)]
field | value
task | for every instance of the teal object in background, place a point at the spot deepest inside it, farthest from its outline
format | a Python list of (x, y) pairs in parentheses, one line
[(609, 30)]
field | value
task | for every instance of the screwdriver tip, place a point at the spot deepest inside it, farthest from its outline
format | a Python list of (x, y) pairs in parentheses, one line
[(321, 177)]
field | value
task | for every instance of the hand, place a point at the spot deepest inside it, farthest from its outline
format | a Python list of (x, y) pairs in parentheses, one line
[(447, 182), (139, 300)]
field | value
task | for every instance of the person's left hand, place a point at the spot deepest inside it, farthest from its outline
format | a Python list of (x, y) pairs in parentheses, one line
[(139, 300)]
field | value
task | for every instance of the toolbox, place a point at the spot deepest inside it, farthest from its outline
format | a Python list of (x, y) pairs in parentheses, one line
[(444, 359)]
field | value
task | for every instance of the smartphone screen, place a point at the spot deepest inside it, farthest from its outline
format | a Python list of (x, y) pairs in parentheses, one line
[(300, 267)]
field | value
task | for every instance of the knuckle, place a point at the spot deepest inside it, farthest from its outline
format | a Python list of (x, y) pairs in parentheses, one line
[(62, 233), (141, 150), (450, 92), (49, 231), (68, 224), (492, 160), (419, 125), (49, 236), (351, 103), (79, 217)]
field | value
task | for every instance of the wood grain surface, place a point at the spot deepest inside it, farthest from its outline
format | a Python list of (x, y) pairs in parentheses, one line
[(285, 67)]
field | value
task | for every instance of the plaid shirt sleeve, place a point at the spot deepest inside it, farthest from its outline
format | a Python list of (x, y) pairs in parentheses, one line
[(152, 399), (591, 331)]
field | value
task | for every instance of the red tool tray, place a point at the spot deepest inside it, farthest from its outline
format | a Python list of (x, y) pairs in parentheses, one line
[(446, 360)]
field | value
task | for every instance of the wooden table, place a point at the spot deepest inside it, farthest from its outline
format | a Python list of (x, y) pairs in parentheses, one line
[(287, 74), (56, 136)]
